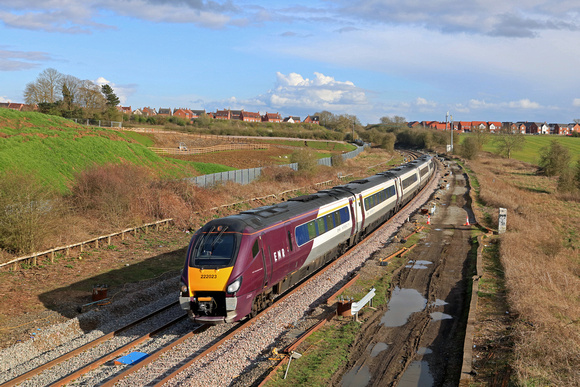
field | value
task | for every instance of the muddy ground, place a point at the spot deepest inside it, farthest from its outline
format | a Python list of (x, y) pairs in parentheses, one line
[(417, 339)]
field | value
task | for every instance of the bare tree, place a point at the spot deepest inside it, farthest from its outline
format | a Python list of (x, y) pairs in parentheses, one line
[(46, 88), (508, 141), (90, 97)]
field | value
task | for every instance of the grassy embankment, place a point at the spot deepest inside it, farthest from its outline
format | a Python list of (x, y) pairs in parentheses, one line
[(538, 271), (533, 144), (56, 149)]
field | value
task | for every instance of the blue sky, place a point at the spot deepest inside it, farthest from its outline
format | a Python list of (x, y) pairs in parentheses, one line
[(488, 60)]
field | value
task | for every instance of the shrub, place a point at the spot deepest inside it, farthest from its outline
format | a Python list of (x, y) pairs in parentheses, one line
[(117, 192), (469, 148), (27, 211), (306, 159), (554, 159)]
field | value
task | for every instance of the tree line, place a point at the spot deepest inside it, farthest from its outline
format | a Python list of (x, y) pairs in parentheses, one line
[(70, 97)]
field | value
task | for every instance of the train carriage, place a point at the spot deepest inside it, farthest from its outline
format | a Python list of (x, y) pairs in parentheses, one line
[(236, 266)]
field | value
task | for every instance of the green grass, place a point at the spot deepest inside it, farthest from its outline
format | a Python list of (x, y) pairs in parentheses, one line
[(329, 349), (56, 149), (531, 152)]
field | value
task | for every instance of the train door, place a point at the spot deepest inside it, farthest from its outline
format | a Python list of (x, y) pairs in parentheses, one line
[(399, 190), (353, 212), (266, 261), (362, 211)]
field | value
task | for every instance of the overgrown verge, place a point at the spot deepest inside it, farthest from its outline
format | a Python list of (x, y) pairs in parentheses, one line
[(540, 256)]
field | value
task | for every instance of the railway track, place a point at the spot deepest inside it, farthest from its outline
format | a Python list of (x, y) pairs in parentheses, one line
[(179, 355), (103, 340)]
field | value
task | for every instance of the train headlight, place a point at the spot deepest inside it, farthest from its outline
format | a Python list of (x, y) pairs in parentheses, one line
[(234, 286), (183, 288)]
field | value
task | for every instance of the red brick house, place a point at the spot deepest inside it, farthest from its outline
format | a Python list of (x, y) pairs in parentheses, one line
[(574, 127), (186, 114), (164, 112), (464, 126), (271, 117), (440, 125), (250, 116), (223, 114), (148, 112), (480, 125), (312, 120)]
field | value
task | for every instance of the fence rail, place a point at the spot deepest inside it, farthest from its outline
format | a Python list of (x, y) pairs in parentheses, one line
[(209, 149), (33, 258), (99, 123)]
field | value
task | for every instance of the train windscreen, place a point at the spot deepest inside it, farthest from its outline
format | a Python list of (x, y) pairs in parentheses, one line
[(215, 248)]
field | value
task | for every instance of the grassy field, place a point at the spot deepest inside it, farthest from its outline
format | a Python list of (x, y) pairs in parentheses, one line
[(531, 152), (56, 149)]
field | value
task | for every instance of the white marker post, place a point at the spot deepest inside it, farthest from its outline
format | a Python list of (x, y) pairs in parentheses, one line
[(502, 221)]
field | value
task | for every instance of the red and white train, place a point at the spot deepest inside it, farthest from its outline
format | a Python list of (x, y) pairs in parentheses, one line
[(236, 265)]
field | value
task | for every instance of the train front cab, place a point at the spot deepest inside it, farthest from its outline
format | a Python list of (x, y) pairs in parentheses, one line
[(209, 283)]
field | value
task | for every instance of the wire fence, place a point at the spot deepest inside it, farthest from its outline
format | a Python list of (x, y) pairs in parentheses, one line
[(246, 176), (99, 123)]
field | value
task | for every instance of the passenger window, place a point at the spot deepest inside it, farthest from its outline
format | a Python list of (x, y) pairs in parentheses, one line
[(321, 226), (311, 230)]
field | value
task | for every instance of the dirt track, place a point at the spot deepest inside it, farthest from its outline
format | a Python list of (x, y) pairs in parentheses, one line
[(417, 340)]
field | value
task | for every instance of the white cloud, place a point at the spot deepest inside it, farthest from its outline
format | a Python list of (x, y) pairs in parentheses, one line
[(123, 92), (422, 102), (74, 17), (576, 102), (524, 104), (4, 99), (320, 93)]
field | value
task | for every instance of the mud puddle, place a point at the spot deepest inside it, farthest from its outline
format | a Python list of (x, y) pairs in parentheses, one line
[(403, 303)]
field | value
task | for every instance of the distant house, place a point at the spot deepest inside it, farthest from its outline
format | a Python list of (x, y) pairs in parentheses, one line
[(439, 125), (186, 114), (574, 127), (16, 106), (164, 112), (559, 129), (292, 120), (138, 112), (223, 114), (312, 120), (465, 126), (250, 116), (494, 126), (124, 109), (413, 124), (520, 126), (148, 112), (236, 114), (271, 117), (480, 125), (537, 128), (198, 113), (4, 105)]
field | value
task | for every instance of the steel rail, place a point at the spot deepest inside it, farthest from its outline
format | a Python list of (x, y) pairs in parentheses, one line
[(89, 345)]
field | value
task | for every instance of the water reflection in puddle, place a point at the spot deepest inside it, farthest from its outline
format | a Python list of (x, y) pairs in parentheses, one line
[(417, 375), (439, 302), (424, 351), (418, 264), (378, 348), (402, 304), (438, 316), (357, 377)]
